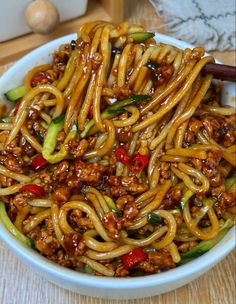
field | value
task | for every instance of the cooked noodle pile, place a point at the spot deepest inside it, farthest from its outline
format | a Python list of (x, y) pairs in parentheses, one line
[(119, 160)]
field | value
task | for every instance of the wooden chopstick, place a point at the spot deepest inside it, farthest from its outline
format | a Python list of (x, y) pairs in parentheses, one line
[(220, 71)]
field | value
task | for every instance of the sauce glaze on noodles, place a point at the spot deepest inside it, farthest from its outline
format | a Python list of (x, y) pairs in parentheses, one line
[(155, 172)]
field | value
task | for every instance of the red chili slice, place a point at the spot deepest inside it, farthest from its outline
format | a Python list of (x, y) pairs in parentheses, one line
[(122, 155), (138, 163), (35, 189), (132, 258), (39, 163)]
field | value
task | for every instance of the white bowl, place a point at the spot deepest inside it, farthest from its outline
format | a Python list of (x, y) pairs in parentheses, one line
[(113, 288)]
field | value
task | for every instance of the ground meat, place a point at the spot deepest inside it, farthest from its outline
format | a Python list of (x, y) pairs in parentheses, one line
[(85, 222), (78, 219), (179, 220), (51, 75), (194, 125), (127, 204), (224, 131), (3, 110), (213, 159), (121, 92), (44, 238), (75, 215), (186, 246), (217, 191), (110, 222), (194, 211), (114, 223), (78, 148), (44, 178), (46, 244), (123, 185), (33, 113), (189, 138), (61, 171), (12, 163), (6, 181), (61, 137), (216, 180), (123, 200), (147, 266), (123, 134), (74, 244), (162, 259), (225, 200), (75, 173), (37, 127), (73, 182), (209, 167), (62, 258), (61, 195), (171, 199), (163, 74), (13, 148), (121, 271), (21, 199), (130, 211), (60, 59), (164, 170), (89, 173)]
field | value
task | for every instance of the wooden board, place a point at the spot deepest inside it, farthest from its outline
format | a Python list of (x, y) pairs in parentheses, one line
[(14, 49)]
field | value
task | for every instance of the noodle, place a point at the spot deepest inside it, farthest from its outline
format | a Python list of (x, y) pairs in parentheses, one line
[(19, 177), (117, 252), (99, 246), (184, 175), (119, 158), (22, 114), (106, 147), (100, 79), (97, 266), (37, 219), (85, 208), (147, 241)]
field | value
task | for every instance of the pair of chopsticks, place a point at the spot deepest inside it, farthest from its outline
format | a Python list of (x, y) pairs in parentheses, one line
[(220, 71)]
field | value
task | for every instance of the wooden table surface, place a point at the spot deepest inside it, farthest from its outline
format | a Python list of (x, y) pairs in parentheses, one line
[(20, 285)]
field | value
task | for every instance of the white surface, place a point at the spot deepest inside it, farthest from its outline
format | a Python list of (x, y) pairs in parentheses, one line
[(12, 18), (113, 288), (201, 22)]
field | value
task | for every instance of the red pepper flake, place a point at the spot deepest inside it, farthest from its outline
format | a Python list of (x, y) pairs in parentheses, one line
[(90, 113), (122, 155), (40, 78), (35, 189), (39, 163), (132, 258), (138, 163)]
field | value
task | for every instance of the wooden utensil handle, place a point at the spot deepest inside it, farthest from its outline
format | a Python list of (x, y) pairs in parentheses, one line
[(220, 71)]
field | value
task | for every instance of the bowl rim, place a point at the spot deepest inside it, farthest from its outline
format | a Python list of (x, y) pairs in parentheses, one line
[(211, 257), (198, 265)]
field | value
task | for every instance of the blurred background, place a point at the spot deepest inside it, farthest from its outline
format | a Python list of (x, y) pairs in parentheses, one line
[(201, 22)]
